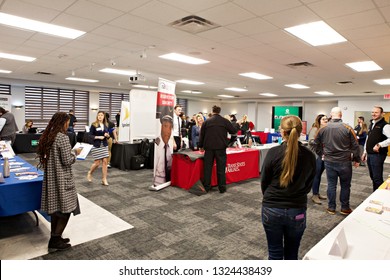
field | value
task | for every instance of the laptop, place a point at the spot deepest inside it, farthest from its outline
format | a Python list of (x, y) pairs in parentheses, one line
[(32, 130)]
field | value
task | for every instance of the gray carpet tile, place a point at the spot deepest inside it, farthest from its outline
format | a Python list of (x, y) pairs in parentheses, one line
[(174, 224)]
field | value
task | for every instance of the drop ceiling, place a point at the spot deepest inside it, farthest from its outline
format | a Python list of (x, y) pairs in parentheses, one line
[(250, 38)]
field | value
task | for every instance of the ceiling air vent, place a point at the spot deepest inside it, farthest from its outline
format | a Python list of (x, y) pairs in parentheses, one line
[(43, 73), (300, 64), (193, 24), (345, 83)]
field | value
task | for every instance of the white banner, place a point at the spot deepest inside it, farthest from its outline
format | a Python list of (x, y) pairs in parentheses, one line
[(163, 147), (124, 123)]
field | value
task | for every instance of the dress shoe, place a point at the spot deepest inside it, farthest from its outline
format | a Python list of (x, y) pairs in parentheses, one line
[(222, 189), (324, 197), (105, 183), (89, 176), (316, 199)]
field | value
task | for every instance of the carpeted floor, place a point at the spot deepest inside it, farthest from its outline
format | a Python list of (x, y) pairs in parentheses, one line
[(173, 224)]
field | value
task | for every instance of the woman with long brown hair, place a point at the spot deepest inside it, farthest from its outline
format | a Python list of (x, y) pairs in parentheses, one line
[(59, 196), (286, 178)]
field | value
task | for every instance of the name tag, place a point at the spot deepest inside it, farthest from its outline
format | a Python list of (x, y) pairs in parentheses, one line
[(99, 129)]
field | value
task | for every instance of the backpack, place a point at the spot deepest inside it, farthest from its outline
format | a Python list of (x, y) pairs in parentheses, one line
[(145, 148)]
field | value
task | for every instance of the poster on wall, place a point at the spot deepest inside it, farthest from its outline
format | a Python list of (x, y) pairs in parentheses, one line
[(5, 101), (163, 145), (278, 112)]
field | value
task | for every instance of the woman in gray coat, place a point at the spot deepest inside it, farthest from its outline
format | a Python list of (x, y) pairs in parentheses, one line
[(59, 196)]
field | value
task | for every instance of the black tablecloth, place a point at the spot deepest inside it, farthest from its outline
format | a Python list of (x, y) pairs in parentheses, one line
[(28, 142), (121, 154)]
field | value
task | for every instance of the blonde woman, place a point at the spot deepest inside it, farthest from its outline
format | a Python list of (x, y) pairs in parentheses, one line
[(195, 133), (99, 134), (286, 178)]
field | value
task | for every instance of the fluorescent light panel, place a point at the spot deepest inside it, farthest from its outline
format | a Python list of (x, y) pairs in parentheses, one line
[(364, 66), (236, 89), (316, 33), (256, 76), (118, 71), (296, 86), (81, 80), (144, 86), (17, 57), (268, 94), (39, 26), (189, 82), (5, 71), (192, 91), (184, 58), (324, 93), (383, 82), (226, 96)]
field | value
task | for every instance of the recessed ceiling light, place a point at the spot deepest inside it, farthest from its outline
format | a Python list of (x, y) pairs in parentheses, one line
[(118, 71), (256, 76), (226, 96), (5, 71), (184, 58), (236, 89), (383, 82), (189, 82), (324, 93), (316, 33), (364, 66), (144, 86), (297, 86), (268, 94), (39, 26), (192, 91), (82, 80), (17, 57)]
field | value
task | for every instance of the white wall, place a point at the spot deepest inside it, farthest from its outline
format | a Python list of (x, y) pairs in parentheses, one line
[(349, 106), (17, 98), (312, 109), (195, 106)]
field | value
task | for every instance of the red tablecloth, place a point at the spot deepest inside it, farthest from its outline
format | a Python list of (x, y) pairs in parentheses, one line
[(241, 164)]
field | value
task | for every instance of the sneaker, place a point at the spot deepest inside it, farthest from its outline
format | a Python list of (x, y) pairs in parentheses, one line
[(108, 165), (346, 212), (315, 198), (331, 211), (322, 197)]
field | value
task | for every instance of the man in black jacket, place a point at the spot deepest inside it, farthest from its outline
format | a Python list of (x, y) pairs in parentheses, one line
[(213, 140), (375, 149)]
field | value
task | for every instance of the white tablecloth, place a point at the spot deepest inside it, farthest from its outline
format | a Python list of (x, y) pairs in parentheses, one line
[(263, 149), (367, 234)]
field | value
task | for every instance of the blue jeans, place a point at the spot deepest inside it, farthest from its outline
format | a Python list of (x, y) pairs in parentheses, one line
[(284, 229), (335, 170), (320, 167), (375, 167)]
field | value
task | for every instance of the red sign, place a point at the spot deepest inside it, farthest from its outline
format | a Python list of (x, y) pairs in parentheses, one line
[(386, 96)]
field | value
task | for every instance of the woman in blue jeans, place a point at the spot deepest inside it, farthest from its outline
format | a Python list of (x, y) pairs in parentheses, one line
[(286, 178)]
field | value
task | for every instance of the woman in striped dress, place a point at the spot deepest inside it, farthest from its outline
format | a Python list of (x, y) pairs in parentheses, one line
[(99, 135)]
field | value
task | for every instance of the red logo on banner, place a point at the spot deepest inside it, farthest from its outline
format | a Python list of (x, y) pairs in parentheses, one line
[(165, 99), (386, 96)]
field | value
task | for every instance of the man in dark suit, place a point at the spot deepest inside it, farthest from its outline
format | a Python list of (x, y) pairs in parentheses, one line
[(213, 140)]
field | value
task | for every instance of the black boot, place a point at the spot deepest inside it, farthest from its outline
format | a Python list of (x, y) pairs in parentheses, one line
[(65, 240), (56, 243)]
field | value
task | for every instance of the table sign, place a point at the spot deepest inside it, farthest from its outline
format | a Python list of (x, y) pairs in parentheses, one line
[(340, 245)]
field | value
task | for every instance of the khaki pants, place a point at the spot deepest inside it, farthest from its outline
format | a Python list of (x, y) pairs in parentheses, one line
[(109, 140)]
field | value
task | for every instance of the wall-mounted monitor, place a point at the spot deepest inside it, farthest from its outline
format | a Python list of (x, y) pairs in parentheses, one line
[(278, 112)]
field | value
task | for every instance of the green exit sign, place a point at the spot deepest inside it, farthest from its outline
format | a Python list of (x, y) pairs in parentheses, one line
[(34, 143)]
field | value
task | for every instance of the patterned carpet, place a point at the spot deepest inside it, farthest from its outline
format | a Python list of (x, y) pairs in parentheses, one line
[(173, 224)]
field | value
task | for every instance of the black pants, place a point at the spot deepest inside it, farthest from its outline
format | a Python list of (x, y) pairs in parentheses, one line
[(220, 158), (178, 142)]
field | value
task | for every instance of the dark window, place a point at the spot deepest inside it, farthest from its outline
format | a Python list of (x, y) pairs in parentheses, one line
[(5, 89), (42, 103), (111, 102)]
